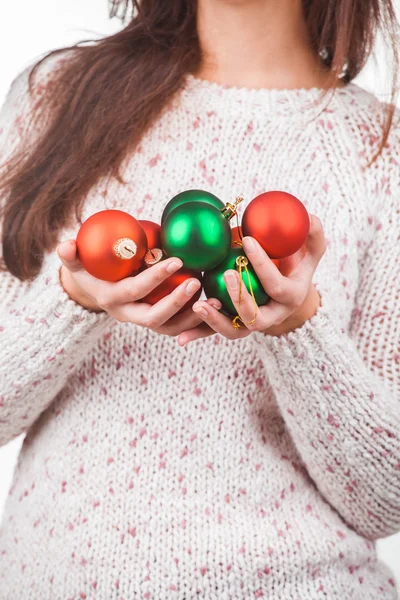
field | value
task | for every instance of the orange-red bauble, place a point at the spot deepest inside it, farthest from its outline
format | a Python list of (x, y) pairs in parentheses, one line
[(153, 234), (111, 245), (170, 284), (278, 221), (237, 236)]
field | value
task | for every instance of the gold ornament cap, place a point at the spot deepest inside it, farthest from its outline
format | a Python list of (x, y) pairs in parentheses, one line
[(153, 257), (229, 209), (125, 248)]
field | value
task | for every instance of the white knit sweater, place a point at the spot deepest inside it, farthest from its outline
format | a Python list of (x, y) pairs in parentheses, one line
[(261, 468)]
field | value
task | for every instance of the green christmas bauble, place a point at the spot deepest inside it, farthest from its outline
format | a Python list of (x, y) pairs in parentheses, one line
[(198, 234), (214, 283), (191, 196)]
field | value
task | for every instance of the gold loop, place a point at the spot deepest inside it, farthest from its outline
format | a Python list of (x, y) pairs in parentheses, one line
[(236, 323), (252, 321), (242, 262)]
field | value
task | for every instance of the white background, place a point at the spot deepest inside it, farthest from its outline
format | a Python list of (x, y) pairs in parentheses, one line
[(28, 29)]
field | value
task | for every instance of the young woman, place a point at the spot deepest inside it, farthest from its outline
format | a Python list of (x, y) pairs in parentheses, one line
[(169, 456)]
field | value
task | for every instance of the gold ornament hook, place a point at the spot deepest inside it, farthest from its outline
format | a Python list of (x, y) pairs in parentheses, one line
[(229, 209), (242, 262)]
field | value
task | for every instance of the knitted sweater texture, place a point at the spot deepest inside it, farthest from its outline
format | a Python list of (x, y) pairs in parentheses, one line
[(228, 470)]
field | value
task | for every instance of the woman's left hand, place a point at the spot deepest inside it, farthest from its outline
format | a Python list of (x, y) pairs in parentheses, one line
[(293, 297)]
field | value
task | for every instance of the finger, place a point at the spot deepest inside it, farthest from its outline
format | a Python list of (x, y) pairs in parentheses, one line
[(255, 318), (185, 320), (214, 302), (316, 248), (181, 322), (218, 322), (197, 333), (158, 314), (271, 315), (132, 313), (288, 264), (67, 253), (243, 301), (166, 308), (133, 289), (316, 241), (280, 288)]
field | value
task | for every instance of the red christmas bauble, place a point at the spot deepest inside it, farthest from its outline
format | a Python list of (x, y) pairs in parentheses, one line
[(170, 284), (111, 245), (153, 233), (278, 221), (237, 236)]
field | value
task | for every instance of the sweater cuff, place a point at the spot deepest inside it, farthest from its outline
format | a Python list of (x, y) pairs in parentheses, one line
[(47, 298), (307, 338)]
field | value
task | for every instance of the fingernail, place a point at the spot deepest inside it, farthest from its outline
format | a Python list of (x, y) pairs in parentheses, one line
[(216, 303), (249, 245), (231, 279), (201, 311), (192, 287), (173, 266)]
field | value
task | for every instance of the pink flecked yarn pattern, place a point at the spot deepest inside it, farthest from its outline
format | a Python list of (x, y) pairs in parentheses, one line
[(260, 468)]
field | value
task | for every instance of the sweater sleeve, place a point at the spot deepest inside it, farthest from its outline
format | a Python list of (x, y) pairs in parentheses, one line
[(44, 335), (339, 390)]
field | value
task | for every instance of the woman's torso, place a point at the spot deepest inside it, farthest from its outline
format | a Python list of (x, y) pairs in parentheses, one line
[(161, 472)]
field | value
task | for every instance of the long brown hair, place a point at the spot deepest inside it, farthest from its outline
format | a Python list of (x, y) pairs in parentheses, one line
[(109, 92)]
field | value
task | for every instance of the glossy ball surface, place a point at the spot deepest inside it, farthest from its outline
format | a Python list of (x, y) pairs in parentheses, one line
[(198, 234), (95, 244), (278, 221), (153, 233), (237, 236), (191, 196)]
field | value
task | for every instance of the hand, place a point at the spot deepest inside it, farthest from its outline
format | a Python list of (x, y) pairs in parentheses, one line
[(121, 299), (293, 297)]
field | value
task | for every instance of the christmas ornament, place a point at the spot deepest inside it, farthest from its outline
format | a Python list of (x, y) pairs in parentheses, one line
[(170, 284), (198, 233), (278, 221), (191, 196), (153, 234), (237, 236), (111, 245), (215, 287)]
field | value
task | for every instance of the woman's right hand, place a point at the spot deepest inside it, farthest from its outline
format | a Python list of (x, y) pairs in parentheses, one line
[(121, 299)]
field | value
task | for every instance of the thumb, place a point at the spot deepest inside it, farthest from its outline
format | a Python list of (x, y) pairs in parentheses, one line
[(67, 252)]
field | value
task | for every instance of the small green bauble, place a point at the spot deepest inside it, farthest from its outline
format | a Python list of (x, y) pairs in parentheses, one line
[(191, 196), (214, 283), (197, 233)]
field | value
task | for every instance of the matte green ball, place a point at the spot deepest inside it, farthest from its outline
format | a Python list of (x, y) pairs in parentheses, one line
[(191, 196), (198, 234), (214, 283)]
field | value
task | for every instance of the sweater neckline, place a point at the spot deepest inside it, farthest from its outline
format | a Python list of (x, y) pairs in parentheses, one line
[(204, 95)]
